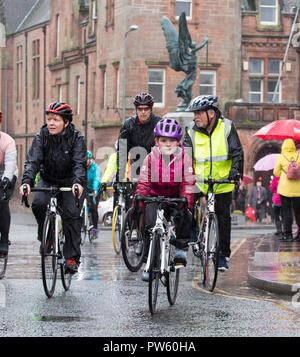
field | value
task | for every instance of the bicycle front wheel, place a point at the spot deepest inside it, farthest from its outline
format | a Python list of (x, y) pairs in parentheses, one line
[(172, 277), (212, 253), (49, 256), (3, 265), (154, 274), (132, 243), (116, 229), (66, 276), (84, 228)]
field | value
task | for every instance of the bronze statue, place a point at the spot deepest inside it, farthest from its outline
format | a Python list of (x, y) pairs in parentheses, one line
[(182, 53)]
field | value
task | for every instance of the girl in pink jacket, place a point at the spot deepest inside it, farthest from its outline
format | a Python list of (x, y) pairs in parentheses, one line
[(167, 171), (276, 205)]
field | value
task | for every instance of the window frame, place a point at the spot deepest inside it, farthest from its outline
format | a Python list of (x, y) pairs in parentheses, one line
[(191, 9), (163, 84), (214, 86), (269, 23)]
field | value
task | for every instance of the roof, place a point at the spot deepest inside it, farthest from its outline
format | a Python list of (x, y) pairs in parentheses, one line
[(14, 12), (38, 14)]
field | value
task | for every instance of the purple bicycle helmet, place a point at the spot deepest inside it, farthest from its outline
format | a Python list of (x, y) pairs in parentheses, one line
[(168, 127)]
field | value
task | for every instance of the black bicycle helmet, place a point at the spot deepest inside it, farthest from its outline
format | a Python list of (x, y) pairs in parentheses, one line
[(203, 103), (62, 109), (143, 98)]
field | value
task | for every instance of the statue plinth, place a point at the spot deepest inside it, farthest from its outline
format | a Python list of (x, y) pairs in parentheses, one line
[(184, 118)]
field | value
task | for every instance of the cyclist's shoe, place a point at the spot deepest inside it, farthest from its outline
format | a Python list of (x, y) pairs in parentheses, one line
[(180, 257), (71, 266), (222, 264), (145, 276), (95, 233)]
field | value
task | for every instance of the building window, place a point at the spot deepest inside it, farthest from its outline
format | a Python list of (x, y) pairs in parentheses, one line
[(183, 6), (263, 77), (256, 91), (57, 34), (35, 69), (93, 16), (269, 12), (103, 86), (116, 86), (109, 13), (19, 64), (156, 85), (77, 95), (207, 83)]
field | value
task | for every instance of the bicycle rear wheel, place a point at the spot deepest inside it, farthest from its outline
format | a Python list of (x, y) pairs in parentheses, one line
[(3, 265), (132, 243), (212, 253), (172, 277), (116, 229), (154, 274), (49, 256)]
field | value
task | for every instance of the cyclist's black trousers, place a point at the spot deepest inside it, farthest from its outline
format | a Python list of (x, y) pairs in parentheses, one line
[(182, 220), (70, 217), (222, 208), (4, 225), (93, 206)]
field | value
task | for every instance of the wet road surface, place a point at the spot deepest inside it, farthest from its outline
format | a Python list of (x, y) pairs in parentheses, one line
[(106, 299)]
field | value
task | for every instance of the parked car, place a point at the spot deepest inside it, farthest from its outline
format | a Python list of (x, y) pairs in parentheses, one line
[(105, 212)]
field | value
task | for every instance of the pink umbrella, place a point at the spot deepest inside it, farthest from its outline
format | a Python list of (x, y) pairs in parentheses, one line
[(280, 130), (266, 163)]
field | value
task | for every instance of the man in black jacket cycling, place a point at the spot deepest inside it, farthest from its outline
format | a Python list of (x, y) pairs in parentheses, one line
[(136, 136), (58, 153)]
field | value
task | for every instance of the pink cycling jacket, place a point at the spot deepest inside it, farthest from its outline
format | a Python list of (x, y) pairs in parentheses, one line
[(8, 156), (167, 176)]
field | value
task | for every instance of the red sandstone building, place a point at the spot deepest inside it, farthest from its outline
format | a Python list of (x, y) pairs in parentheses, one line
[(75, 51)]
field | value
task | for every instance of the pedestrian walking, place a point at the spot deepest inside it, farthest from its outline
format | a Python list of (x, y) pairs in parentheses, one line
[(257, 200), (288, 189)]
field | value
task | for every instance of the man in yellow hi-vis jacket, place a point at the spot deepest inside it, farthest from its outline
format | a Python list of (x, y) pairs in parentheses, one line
[(216, 151)]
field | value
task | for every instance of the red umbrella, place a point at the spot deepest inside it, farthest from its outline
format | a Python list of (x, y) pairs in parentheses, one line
[(250, 213), (280, 130), (247, 179)]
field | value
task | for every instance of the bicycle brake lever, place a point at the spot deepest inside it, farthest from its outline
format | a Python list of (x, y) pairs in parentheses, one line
[(76, 191)]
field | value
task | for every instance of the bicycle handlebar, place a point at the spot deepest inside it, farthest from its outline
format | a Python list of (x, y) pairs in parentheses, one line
[(54, 190), (161, 199), (210, 181)]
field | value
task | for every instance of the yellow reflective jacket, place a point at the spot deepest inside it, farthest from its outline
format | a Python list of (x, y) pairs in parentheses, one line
[(287, 187), (111, 169), (210, 155)]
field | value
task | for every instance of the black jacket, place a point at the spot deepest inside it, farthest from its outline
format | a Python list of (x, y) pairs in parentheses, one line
[(235, 149), (137, 135), (60, 159)]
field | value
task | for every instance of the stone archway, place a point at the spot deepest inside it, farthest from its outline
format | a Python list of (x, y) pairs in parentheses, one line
[(259, 149)]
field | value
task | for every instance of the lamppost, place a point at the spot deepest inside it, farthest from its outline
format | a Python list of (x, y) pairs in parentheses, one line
[(131, 28)]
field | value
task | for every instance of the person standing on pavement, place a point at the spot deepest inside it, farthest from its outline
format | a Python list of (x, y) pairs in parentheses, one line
[(288, 189), (58, 153), (257, 200), (8, 174), (93, 176), (216, 150)]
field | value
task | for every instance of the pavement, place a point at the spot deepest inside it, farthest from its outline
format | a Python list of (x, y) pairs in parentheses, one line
[(274, 265)]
